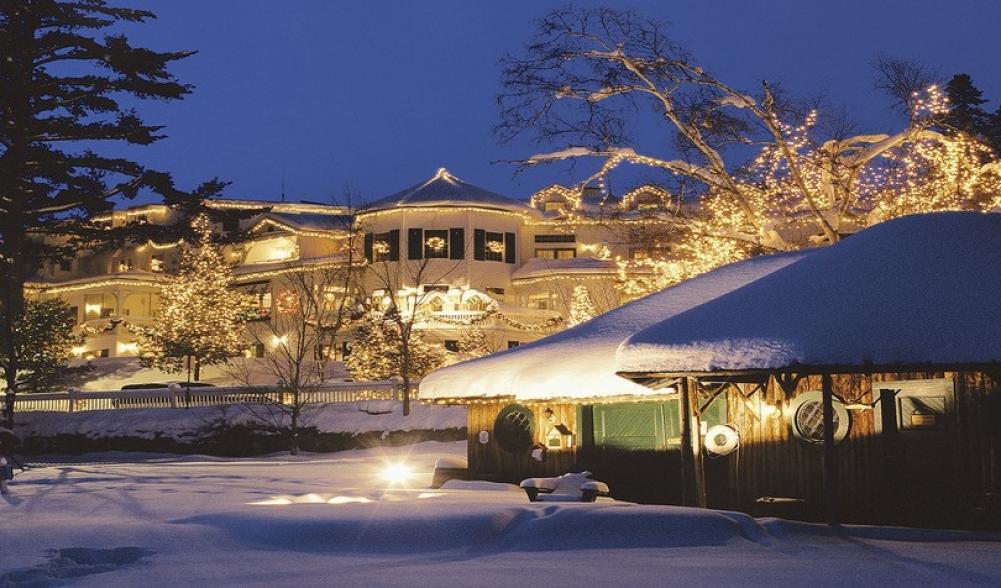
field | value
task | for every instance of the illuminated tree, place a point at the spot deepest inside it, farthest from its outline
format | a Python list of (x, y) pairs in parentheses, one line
[(474, 343), (582, 308), (199, 320), (377, 351), (44, 340), (589, 71)]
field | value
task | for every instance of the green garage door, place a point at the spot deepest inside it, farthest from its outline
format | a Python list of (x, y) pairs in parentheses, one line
[(637, 426)]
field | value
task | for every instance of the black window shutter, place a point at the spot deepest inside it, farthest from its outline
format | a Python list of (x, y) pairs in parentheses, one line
[(394, 245), (479, 244), (509, 248), (369, 241), (415, 243), (457, 243)]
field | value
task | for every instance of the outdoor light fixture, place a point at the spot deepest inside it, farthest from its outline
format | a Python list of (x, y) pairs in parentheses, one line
[(397, 474)]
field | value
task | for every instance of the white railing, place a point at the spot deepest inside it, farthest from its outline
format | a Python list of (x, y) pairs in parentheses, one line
[(180, 396)]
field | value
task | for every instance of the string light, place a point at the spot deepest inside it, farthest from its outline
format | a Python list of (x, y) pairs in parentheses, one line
[(200, 315), (293, 208), (363, 214)]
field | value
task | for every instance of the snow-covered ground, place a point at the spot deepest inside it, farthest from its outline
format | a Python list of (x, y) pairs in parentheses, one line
[(322, 520), (187, 424)]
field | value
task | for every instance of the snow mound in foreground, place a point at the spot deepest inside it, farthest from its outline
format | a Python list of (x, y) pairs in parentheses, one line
[(360, 525), (406, 527)]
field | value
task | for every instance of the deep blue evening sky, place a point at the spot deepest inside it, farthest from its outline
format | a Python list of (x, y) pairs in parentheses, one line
[(377, 94)]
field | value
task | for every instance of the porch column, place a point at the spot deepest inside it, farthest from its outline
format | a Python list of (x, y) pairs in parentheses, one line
[(831, 486), (693, 476)]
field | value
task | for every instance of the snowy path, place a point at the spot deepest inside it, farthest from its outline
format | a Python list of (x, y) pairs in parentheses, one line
[(325, 520)]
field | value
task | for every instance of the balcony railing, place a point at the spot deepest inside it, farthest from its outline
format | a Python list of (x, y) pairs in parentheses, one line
[(180, 396)]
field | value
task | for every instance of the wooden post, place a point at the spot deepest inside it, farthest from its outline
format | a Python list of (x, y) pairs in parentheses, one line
[(831, 486), (692, 474), (695, 417), (891, 472), (686, 437)]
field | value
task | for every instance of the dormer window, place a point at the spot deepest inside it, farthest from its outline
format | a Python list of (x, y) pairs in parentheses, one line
[(555, 197), (648, 198)]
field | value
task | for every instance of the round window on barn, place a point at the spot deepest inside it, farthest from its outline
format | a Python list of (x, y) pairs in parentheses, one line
[(514, 428), (806, 418)]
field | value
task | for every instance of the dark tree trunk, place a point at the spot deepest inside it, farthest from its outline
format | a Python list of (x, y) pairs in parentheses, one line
[(293, 446)]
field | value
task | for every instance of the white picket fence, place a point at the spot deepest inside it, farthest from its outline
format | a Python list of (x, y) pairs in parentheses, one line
[(180, 396)]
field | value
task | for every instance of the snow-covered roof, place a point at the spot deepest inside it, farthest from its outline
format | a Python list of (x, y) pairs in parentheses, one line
[(922, 289), (580, 362), (444, 189), (311, 221)]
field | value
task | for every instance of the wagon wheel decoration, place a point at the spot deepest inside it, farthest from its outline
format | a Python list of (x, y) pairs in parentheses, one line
[(806, 418), (514, 428)]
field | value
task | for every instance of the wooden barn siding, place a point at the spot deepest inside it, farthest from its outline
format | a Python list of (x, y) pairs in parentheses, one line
[(491, 462), (771, 462)]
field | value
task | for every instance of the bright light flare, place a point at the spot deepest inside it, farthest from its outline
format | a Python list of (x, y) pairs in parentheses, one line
[(397, 474)]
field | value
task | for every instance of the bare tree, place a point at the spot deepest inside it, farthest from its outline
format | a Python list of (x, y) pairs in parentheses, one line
[(404, 304), (589, 73), (313, 302)]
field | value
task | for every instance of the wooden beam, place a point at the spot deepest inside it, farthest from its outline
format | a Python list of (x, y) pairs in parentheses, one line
[(831, 486), (756, 375)]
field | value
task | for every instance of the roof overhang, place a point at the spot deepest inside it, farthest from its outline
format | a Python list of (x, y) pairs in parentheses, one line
[(762, 374)]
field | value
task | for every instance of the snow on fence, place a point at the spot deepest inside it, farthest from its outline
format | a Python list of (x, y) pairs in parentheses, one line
[(180, 396)]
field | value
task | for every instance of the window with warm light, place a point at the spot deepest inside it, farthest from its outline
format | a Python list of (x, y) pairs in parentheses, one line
[(436, 244), (494, 247), (272, 250)]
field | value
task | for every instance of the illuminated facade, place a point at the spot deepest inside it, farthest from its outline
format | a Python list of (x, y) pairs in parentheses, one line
[(458, 256)]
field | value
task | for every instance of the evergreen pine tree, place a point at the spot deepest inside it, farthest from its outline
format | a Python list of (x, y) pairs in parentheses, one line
[(582, 308), (44, 339), (63, 77), (200, 317), (376, 353), (993, 137), (474, 342), (965, 112), (372, 353)]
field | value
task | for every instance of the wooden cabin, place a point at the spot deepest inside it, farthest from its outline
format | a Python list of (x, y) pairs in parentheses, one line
[(557, 405), (856, 383), (863, 380)]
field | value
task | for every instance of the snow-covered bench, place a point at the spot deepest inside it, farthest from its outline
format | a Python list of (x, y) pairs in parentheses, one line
[(563, 488), (449, 468)]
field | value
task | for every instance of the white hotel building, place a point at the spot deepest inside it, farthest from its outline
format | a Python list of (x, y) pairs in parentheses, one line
[(462, 254)]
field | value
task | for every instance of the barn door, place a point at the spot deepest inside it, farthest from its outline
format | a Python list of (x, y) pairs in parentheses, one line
[(634, 448), (913, 421)]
